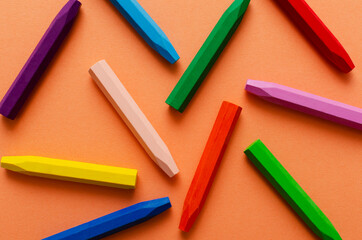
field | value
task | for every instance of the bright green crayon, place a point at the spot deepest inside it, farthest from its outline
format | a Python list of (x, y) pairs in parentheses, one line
[(290, 190), (207, 55)]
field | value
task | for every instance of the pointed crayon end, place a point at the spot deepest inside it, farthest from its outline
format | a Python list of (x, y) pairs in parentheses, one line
[(12, 163), (71, 7), (187, 219), (166, 202), (249, 83), (168, 166), (243, 4), (166, 50), (331, 234), (184, 225), (169, 53), (347, 65), (173, 170), (173, 57), (74, 2), (340, 58), (158, 205), (256, 87), (5, 111), (240, 6)]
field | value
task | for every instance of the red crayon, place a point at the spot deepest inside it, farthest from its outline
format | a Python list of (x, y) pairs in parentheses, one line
[(306, 19), (209, 163)]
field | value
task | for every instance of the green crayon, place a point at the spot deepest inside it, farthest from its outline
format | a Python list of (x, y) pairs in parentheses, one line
[(290, 190), (205, 58)]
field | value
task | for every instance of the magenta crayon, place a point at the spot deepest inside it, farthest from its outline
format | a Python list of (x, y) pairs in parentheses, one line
[(307, 103)]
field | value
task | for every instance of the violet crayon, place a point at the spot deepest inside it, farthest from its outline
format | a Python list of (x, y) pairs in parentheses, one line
[(40, 58), (307, 103)]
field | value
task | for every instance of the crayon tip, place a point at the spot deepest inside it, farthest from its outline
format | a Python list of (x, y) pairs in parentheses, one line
[(11, 164), (156, 206), (242, 4), (167, 164), (257, 87), (188, 218), (333, 235), (344, 63), (168, 51), (71, 8)]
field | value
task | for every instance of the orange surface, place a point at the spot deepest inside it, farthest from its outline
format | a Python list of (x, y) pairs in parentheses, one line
[(68, 117)]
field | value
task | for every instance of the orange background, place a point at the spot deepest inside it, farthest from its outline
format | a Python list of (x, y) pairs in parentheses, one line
[(68, 117)]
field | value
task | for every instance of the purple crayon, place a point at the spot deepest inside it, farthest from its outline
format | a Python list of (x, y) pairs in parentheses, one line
[(306, 102), (39, 60)]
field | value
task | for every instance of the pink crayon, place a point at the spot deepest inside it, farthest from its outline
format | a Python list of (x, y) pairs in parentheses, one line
[(307, 103)]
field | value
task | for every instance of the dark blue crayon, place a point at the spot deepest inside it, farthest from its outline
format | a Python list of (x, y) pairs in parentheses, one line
[(115, 222)]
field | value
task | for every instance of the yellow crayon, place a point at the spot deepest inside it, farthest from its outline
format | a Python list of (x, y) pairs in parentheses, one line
[(72, 171)]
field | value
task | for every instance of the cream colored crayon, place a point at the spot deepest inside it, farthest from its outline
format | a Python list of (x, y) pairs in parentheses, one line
[(132, 115), (72, 171)]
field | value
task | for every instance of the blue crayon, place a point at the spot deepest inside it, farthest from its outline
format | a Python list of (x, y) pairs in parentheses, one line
[(147, 28), (115, 222)]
